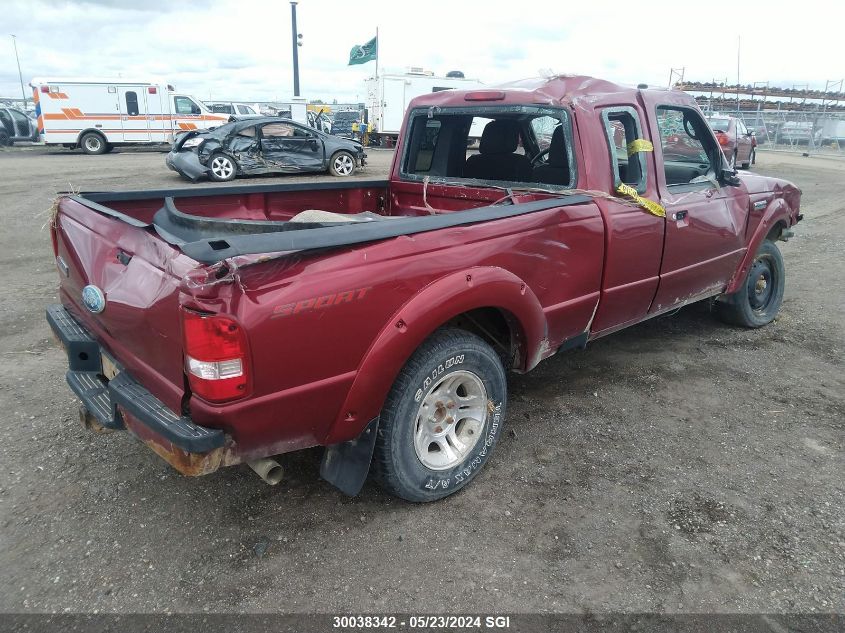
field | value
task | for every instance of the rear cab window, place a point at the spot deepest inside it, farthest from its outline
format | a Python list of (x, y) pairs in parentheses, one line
[(626, 144), (504, 146), (691, 157)]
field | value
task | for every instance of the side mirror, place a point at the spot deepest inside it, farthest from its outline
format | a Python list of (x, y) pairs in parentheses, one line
[(730, 177)]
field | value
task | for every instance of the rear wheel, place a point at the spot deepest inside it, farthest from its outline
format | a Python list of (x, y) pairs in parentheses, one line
[(732, 161), (222, 168), (93, 143), (342, 164), (5, 139), (442, 417), (758, 300)]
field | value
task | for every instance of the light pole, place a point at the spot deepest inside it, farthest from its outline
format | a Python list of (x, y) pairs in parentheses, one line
[(20, 76), (297, 42)]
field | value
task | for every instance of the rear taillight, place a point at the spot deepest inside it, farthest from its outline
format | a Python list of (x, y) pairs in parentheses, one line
[(722, 138), (216, 356)]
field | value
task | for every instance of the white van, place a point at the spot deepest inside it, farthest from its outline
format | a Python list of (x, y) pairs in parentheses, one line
[(236, 110), (97, 114)]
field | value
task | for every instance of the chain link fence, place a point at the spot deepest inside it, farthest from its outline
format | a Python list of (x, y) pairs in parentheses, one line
[(801, 131)]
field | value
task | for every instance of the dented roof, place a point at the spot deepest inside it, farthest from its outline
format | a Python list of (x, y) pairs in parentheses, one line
[(557, 90)]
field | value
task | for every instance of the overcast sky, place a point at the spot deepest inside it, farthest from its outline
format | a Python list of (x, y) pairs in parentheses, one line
[(242, 49)]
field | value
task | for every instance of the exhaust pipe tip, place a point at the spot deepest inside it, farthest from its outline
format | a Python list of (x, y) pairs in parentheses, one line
[(269, 470)]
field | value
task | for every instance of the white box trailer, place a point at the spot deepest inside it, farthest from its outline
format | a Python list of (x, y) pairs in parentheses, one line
[(97, 114), (388, 96)]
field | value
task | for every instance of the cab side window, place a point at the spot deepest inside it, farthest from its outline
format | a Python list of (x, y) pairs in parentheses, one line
[(185, 106), (627, 147), (689, 159)]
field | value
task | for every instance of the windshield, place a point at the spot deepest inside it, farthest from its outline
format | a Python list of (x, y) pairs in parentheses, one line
[(346, 116), (719, 125)]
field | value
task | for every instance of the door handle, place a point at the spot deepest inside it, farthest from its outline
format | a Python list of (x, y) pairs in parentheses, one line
[(679, 215)]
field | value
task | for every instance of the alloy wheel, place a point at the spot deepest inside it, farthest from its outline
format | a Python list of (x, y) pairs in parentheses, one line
[(450, 420)]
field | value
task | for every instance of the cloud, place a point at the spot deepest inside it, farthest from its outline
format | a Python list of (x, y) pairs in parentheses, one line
[(242, 49)]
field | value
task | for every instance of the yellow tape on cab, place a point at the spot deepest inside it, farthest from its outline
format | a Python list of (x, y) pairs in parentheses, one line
[(639, 145), (649, 205)]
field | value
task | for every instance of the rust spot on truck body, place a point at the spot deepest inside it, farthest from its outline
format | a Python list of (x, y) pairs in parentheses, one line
[(189, 464)]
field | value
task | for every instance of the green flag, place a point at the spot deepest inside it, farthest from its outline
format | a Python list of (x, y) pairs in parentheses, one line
[(364, 53)]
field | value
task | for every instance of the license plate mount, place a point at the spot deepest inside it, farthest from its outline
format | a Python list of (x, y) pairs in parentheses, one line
[(110, 368)]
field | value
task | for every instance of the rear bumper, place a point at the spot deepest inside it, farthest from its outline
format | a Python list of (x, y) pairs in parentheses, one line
[(187, 164), (123, 404)]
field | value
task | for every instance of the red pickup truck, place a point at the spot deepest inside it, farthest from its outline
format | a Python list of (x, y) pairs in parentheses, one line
[(378, 318)]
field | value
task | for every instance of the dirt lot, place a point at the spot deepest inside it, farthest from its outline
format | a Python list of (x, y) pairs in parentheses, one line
[(682, 465)]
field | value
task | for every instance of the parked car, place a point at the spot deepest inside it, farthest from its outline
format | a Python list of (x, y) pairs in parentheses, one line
[(261, 146), (378, 318), (342, 122), (236, 111), (737, 141), (795, 132), (15, 126)]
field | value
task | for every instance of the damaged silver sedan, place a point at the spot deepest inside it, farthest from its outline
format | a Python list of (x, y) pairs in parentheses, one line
[(262, 146)]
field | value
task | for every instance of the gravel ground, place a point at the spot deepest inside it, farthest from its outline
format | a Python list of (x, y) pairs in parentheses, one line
[(681, 465)]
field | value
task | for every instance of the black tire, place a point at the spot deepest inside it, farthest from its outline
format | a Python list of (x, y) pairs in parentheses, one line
[(449, 356), (109, 148), (732, 162), (93, 143), (5, 139), (222, 167), (760, 296), (754, 156), (342, 164)]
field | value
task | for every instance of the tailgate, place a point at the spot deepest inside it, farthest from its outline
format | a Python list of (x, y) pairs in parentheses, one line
[(138, 276)]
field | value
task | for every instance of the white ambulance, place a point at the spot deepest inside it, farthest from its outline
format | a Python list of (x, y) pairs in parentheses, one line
[(97, 114)]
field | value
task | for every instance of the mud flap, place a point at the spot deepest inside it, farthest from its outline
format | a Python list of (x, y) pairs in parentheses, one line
[(346, 465)]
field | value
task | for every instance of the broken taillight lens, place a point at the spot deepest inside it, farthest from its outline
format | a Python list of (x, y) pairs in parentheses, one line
[(216, 356)]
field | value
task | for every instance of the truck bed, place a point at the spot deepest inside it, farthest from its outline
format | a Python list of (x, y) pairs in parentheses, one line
[(227, 222)]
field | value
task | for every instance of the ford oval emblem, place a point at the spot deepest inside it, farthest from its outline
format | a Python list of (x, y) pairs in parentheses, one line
[(94, 299)]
